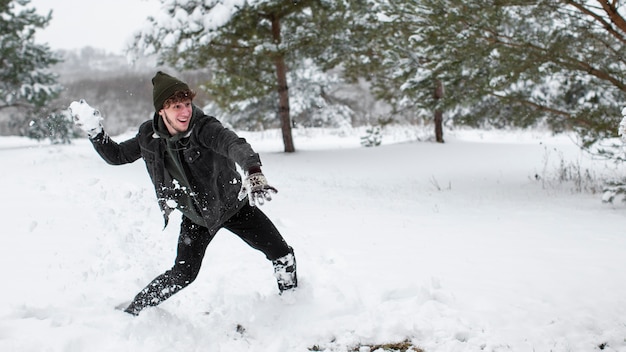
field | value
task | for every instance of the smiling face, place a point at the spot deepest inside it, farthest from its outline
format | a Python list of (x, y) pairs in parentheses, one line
[(176, 116)]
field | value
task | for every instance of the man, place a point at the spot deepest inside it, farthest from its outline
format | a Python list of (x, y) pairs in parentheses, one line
[(191, 160)]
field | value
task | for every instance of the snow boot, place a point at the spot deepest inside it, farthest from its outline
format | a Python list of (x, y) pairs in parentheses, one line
[(133, 309), (285, 272)]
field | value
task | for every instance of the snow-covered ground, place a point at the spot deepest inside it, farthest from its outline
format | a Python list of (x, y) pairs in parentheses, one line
[(471, 245)]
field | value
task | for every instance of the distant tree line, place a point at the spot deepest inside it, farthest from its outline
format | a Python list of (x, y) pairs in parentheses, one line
[(123, 93)]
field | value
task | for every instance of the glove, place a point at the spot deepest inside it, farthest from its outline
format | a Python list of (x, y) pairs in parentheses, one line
[(257, 190), (86, 118)]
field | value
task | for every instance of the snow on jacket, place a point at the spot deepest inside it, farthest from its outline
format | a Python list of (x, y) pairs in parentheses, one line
[(209, 158)]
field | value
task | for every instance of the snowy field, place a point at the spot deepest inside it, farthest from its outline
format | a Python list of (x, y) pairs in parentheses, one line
[(473, 245)]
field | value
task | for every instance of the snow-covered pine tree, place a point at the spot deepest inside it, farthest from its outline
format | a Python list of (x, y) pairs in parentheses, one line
[(503, 62), (372, 138), (56, 127), (390, 53), (264, 55), (26, 83)]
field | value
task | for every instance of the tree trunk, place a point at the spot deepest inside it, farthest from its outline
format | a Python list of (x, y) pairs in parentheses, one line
[(283, 90), (438, 113)]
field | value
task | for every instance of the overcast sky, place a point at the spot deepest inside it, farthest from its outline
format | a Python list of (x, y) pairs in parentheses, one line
[(104, 24)]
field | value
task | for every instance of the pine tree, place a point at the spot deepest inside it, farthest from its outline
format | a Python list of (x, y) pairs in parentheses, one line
[(389, 55), (260, 53), (522, 62), (502, 62), (26, 84)]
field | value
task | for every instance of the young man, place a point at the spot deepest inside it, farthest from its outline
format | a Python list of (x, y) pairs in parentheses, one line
[(191, 160)]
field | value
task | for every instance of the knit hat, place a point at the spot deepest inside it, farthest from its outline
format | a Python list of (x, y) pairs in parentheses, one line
[(164, 86)]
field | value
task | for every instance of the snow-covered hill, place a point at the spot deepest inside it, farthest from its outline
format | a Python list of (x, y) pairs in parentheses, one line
[(473, 245)]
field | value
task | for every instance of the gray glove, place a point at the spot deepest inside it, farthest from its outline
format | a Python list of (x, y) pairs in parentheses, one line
[(256, 188), (86, 118)]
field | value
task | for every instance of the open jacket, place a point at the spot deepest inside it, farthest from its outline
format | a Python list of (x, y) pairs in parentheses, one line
[(208, 158)]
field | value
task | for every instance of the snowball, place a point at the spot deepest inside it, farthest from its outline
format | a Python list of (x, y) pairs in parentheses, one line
[(85, 117)]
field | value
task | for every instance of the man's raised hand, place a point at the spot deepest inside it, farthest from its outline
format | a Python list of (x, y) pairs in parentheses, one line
[(86, 118)]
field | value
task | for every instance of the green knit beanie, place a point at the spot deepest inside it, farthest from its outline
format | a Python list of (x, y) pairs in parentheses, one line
[(164, 86)]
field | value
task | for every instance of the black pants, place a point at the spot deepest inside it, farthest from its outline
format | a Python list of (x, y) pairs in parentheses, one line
[(250, 224)]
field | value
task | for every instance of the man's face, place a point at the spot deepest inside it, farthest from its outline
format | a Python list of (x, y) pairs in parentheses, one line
[(177, 116)]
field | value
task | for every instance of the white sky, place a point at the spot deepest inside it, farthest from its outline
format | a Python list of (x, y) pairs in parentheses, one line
[(103, 24)]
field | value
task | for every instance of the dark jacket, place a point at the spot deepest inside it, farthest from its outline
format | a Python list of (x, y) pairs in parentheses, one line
[(208, 157)]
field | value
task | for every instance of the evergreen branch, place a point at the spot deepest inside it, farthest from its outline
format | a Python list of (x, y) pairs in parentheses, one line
[(569, 62), (284, 11), (588, 68), (611, 10), (616, 18), (213, 43), (576, 121), (531, 104), (16, 105)]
